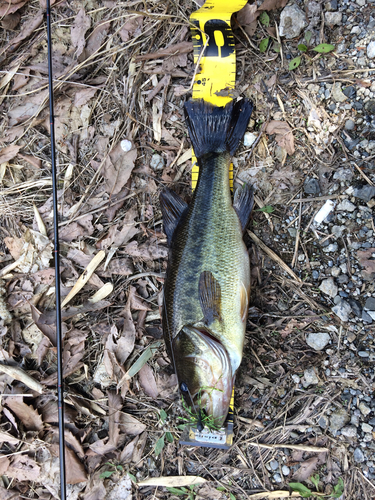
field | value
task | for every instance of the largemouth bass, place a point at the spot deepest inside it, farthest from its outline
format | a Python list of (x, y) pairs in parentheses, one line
[(206, 293)]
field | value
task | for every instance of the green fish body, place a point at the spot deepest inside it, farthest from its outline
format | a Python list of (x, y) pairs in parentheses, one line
[(207, 287)]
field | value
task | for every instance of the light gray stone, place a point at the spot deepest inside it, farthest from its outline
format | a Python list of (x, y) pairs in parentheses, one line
[(332, 247), (274, 464), (358, 455), (286, 470), (249, 138), (292, 21), (350, 431), (338, 419), (328, 287), (337, 231), (337, 93), (318, 341), (335, 271), (366, 427), (333, 18), (371, 50), (365, 410), (349, 125), (346, 206), (342, 310), (370, 304), (157, 162), (309, 377)]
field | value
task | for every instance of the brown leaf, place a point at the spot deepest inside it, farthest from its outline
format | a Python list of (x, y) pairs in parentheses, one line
[(364, 258), (248, 14), (96, 39), (130, 425), (147, 381), (308, 467), (127, 452), (81, 24), (23, 468), (83, 96), (9, 153), (122, 267), (118, 167), (125, 343), (27, 414), (147, 251), (10, 6), (14, 245), (4, 464), (114, 406), (136, 302), (139, 447), (11, 21), (273, 4), (75, 230), (284, 135), (27, 28), (75, 471), (132, 27), (35, 162), (6, 494), (178, 48)]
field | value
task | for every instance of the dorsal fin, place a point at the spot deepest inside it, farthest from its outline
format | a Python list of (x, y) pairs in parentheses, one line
[(243, 204), (210, 297), (172, 208)]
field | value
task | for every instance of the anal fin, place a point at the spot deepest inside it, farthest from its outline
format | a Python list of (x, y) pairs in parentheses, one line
[(172, 208), (243, 204), (210, 297)]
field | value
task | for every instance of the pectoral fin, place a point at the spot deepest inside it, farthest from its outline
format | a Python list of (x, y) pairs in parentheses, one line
[(243, 204), (172, 208), (210, 297)]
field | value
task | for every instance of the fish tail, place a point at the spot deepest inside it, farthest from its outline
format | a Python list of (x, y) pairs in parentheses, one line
[(214, 129)]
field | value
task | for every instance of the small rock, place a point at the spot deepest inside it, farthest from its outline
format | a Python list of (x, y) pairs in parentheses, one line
[(355, 30), (342, 310), (370, 304), (337, 231), (343, 174), (371, 50), (328, 287), (157, 162), (363, 354), (296, 379), (364, 193), (333, 18), (274, 464), (292, 231), (350, 431), (342, 279), (356, 307), (358, 455), (309, 377), (351, 336), (361, 3), (331, 5), (318, 341), (366, 318), (349, 125), (335, 271), (365, 410), (292, 21), (311, 186), (277, 478), (366, 427), (285, 469), (249, 138), (337, 93), (350, 92), (338, 419), (323, 422), (370, 107), (346, 206), (332, 247)]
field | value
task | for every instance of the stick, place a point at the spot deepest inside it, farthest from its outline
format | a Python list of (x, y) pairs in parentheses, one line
[(60, 389)]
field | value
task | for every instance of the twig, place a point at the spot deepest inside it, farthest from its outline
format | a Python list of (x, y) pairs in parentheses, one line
[(364, 175), (302, 447), (21, 376), (274, 256), (318, 198)]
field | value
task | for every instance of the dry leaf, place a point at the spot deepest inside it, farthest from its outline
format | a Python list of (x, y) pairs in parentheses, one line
[(118, 167), (6, 494), (83, 96), (27, 28), (122, 267), (364, 258), (147, 381), (284, 135), (273, 4), (133, 26), (4, 464), (130, 425), (96, 39), (125, 343), (308, 467), (9, 153), (27, 414), (248, 14), (81, 24), (8, 7), (23, 468), (127, 452), (178, 48), (75, 471), (147, 251)]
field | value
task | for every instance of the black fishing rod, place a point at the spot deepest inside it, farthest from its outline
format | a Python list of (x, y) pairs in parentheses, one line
[(59, 345)]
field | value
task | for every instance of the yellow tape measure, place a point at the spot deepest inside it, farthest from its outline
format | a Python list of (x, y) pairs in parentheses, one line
[(211, 30)]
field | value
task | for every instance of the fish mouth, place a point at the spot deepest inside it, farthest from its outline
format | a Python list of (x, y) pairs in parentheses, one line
[(209, 367)]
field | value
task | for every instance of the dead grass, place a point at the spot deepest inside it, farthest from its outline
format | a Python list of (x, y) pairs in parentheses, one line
[(108, 89)]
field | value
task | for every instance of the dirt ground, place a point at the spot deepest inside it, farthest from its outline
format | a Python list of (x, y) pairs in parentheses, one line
[(122, 74)]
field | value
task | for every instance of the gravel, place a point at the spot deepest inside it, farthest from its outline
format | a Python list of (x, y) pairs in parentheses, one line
[(342, 310), (309, 377), (358, 455), (157, 162), (338, 419), (328, 287), (292, 21)]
